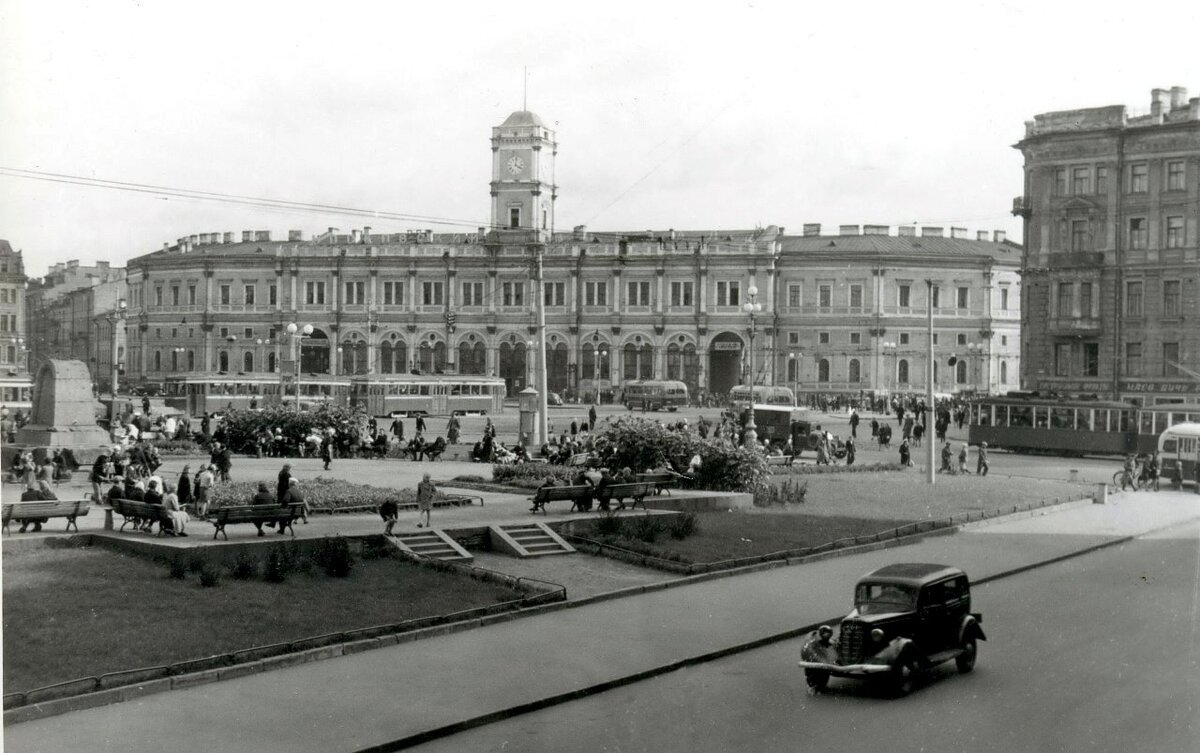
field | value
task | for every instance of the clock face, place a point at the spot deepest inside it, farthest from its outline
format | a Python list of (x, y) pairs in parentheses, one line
[(515, 164)]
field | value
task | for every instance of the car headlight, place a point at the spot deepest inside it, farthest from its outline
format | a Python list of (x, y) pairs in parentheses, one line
[(876, 635)]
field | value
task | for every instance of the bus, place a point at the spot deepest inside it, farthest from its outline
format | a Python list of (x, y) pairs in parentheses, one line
[(16, 392), (779, 423), (197, 394), (651, 394), (1030, 422), (397, 395), (1179, 446), (739, 396)]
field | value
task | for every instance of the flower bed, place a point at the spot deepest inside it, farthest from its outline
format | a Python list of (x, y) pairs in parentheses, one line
[(320, 493)]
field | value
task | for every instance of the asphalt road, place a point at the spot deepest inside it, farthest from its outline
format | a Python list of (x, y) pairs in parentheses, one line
[(1097, 653)]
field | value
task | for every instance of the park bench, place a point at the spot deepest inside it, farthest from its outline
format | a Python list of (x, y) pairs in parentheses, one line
[(662, 480), (580, 496), (786, 460), (635, 490), (132, 511), (50, 508), (256, 514)]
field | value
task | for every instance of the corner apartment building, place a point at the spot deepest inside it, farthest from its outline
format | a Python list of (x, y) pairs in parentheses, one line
[(13, 342)]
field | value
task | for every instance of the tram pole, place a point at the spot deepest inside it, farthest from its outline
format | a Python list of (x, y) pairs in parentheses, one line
[(930, 405), (540, 345)]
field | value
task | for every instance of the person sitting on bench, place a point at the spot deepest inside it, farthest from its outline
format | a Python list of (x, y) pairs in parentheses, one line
[(432, 451), (36, 494)]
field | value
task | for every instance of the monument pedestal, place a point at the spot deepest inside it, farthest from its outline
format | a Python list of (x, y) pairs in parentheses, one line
[(64, 414)]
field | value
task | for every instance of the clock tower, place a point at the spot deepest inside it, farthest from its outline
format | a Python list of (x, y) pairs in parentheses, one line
[(523, 189)]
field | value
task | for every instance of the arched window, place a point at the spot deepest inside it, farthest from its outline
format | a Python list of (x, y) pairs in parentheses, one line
[(223, 361), (793, 369), (960, 375), (557, 372), (902, 371), (439, 357), (174, 360), (1003, 372), (855, 371), (639, 361), (823, 370), (157, 361), (247, 361), (191, 360), (271, 362), (588, 360), (674, 362), (691, 369), (393, 355)]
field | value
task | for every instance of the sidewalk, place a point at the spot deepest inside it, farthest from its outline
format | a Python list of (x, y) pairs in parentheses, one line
[(384, 696)]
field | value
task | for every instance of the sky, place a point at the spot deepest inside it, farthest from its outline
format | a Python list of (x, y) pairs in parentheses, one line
[(668, 115)]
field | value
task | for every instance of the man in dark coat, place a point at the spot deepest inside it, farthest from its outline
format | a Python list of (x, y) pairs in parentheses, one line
[(285, 476), (592, 417), (420, 424)]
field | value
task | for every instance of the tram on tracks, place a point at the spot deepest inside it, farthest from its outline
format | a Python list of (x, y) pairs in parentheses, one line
[(429, 394), (200, 393)]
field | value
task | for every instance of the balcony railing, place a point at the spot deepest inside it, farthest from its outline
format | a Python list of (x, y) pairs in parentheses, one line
[(1021, 206)]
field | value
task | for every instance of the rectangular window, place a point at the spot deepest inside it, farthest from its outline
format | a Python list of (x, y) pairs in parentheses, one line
[(1133, 359), (639, 293), (472, 294), (1101, 179), (1133, 298), (794, 296), (1170, 354), (355, 293), (431, 294), (272, 294), (512, 294), (823, 338), (960, 339), (1138, 233), (1175, 233), (191, 295), (158, 297), (728, 293), (1175, 175), (824, 296), (1091, 359), (904, 338), (681, 293), (224, 332), (1066, 299), (793, 338), (393, 293), (964, 298), (248, 333), (1060, 181), (595, 294), (1079, 235), (1139, 178), (903, 296), (250, 293), (1004, 299), (225, 293), (1171, 297), (314, 293), (1004, 339), (514, 217), (856, 296), (1062, 359), (1081, 181), (935, 338), (1085, 299), (174, 295), (555, 293), (856, 338), (936, 292)]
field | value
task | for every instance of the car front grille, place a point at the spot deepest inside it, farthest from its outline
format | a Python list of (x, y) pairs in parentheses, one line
[(850, 643)]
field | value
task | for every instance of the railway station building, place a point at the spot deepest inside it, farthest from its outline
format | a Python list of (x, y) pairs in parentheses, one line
[(1111, 206), (841, 313)]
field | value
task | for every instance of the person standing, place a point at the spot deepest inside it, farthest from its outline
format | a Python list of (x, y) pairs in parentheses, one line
[(962, 459), (592, 417), (981, 463), (905, 454), (281, 488), (421, 424), (204, 481), (146, 406), (183, 488), (850, 451), (327, 451), (398, 430), (853, 423), (947, 459), (426, 491)]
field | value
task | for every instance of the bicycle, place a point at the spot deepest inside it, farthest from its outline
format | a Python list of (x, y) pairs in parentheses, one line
[(1138, 479)]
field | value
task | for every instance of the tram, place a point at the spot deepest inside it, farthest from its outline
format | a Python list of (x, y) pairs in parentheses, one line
[(765, 394), (1029, 422), (650, 394), (197, 394), (430, 394), (16, 392)]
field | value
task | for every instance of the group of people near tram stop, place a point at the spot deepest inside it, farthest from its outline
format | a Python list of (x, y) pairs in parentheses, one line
[(1144, 468)]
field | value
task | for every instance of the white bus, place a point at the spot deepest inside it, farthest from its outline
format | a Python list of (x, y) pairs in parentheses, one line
[(1179, 446)]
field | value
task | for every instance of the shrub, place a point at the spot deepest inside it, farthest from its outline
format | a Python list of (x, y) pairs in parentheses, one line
[(334, 557), (644, 528), (789, 492), (683, 525), (210, 576), (321, 493), (242, 427), (196, 564), (178, 568), (244, 567), (178, 447), (471, 478), (279, 563), (608, 524), (521, 474), (640, 444), (733, 469)]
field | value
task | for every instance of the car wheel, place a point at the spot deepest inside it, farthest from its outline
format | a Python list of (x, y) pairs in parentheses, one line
[(904, 675), (817, 679), (966, 660)]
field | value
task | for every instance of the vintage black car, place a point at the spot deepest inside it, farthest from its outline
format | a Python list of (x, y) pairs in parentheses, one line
[(906, 618)]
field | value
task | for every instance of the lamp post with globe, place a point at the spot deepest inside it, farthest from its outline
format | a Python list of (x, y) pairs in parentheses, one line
[(298, 334), (752, 308)]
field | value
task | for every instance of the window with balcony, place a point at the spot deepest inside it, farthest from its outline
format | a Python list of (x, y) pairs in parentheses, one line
[(638, 292), (1066, 299), (595, 293), (856, 296), (472, 294), (1080, 237), (1170, 357), (1081, 181), (314, 293), (729, 293), (555, 294), (1085, 299), (191, 295), (1175, 175), (158, 296), (249, 292), (225, 295), (174, 295), (1139, 178), (1138, 233), (824, 296), (393, 293), (1133, 298), (794, 296), (432, 293), (1171, 297), (1175, 232), (681, 293), (964, 298), (1091, 359)]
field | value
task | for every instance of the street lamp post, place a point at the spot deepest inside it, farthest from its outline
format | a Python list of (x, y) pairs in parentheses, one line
[(118, 315), (298, 334), (752, 308), (794, 359), (528, 362)]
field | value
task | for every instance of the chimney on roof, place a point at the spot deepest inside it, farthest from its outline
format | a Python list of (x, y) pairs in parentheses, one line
[(1178, 97), (247, 236), (202, 239), (847, 229), (166, 246), (1194, 108), (875, 229), (366, 234), (262, 235), (295, 235), (102, 266), (981, 235), (1158, 101), (228, 238), (999, 235), (195, 239), (932, 231), (811, 229), (906, 231), (355, 236), (958, 232)]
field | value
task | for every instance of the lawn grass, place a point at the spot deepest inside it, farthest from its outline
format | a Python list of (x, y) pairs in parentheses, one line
[(72, 613)]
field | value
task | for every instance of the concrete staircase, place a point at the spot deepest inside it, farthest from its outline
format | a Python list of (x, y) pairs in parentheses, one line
[(433, 544), (527, 540)]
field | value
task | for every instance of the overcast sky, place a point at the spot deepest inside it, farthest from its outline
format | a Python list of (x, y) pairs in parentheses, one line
[(717, 115)]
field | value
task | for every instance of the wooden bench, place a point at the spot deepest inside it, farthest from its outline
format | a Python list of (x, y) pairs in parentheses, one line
[(132, 511), (786, 460), (458, 500), (256, 514), (580, 496), (662, 480), (34, 511), (635, 490)]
